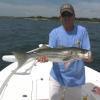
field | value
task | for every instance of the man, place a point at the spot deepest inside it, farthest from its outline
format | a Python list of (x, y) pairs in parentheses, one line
[(66, 79)]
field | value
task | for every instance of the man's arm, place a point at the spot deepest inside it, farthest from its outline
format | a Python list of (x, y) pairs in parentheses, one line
[(86, 45)]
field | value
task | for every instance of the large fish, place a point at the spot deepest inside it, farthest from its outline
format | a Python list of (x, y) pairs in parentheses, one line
[(61, 54)]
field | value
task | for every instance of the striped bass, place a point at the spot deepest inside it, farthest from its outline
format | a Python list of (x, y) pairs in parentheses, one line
[(63, 54)]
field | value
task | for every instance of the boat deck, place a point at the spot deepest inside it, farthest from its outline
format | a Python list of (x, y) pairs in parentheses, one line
[(32, 82)]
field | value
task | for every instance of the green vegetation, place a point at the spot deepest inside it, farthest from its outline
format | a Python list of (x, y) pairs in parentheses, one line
[(89, 19), (53, 18)]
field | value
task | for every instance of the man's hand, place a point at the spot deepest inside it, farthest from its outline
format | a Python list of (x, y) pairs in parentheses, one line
[(88, 57), (42, 59)]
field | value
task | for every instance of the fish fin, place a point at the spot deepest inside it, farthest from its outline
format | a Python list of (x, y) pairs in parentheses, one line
[(21, 57), (34, 50), (66, 64), (43, 46), (66, 59), (35, 63), (69, 61)]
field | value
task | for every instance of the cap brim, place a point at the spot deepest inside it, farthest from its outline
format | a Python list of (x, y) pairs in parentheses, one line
[(66, 10)]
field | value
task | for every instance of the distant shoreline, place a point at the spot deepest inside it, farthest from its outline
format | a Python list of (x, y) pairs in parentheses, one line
[(53, 18)]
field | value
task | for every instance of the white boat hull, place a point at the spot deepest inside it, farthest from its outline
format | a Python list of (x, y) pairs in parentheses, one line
[(31, 82)]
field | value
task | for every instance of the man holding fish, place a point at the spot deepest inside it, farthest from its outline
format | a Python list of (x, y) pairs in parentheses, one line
[(66, 78)]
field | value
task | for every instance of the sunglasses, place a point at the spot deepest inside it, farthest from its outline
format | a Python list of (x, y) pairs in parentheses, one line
[(67, 14)]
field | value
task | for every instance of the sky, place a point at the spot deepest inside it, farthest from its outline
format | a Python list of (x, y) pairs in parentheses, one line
[(48, 8)]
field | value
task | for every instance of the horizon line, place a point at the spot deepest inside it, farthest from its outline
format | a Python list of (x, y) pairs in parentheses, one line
[(39, 16)]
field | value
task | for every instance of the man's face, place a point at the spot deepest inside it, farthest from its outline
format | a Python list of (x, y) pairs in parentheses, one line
[(67, 19)]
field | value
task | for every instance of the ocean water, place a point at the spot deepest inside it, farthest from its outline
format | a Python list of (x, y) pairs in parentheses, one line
[(27, 34)]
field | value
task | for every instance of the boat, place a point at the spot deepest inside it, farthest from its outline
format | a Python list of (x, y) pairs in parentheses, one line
[(31, 82)]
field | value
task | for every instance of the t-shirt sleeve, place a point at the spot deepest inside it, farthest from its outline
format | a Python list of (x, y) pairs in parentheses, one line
[(86, 41), (52, 39)]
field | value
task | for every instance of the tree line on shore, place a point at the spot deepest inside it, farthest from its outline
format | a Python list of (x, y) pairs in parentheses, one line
[(55, 18)]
